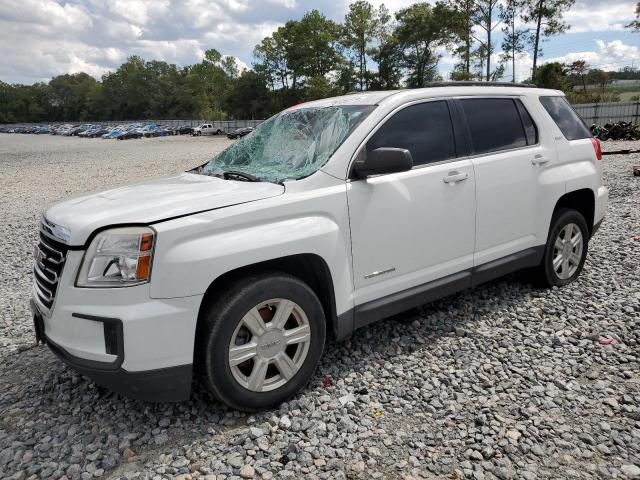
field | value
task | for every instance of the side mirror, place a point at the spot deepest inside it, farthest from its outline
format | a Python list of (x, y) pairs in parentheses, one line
[(382, 160)]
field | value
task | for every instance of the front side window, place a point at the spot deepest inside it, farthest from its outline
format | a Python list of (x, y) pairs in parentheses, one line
[(568, 121), (290, 145), (494, 124), (424, 129)]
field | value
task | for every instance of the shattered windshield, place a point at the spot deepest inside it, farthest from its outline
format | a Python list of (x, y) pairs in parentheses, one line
[(290, 145)]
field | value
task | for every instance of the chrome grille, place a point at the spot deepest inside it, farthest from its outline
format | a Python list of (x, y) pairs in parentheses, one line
[(49, 257)]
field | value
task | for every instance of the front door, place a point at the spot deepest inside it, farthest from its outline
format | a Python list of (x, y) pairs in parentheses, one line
[(413, 227)]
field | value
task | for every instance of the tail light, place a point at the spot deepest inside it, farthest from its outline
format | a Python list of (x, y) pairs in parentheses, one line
[(596, 147)]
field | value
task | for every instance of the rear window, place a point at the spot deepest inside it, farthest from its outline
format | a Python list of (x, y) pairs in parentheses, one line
[(494, 124), (568, 121)]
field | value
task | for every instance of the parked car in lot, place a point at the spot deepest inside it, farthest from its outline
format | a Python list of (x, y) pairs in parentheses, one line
[(128, 134), (240, 132), (329, 216), (183, 130), (207, 129)]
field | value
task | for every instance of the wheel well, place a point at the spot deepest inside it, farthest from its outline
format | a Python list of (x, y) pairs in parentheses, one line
[(310, 268), (581, 200)]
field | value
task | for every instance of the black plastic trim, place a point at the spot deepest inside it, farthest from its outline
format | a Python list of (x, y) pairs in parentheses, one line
[(509, 264), (171, 384), (413, 297), (595, 228), (343, 326), (116, 324)]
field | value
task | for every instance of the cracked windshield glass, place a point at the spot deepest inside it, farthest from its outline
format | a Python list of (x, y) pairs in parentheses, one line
[(291, 145)]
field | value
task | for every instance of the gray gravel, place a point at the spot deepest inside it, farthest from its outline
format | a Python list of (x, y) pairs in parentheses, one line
[(505, 381)]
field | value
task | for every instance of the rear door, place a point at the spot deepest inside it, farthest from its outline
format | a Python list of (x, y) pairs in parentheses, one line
[(510, 163)]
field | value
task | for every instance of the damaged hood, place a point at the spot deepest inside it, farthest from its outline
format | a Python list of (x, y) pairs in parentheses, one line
[(153, 200)]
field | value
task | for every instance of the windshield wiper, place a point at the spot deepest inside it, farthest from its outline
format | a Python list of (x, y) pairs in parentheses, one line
[(235, 175)]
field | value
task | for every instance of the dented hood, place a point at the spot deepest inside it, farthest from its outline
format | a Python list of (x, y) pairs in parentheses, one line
[(153, 200)]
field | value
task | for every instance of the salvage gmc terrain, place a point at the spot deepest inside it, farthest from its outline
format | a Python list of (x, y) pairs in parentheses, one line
[(329, 216)]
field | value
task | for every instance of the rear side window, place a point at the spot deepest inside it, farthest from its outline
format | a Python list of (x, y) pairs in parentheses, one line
[(568, 121), (494, 124), (424, 129)]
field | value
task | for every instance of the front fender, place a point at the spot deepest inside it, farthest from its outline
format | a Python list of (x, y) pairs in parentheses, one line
[(193, 251)]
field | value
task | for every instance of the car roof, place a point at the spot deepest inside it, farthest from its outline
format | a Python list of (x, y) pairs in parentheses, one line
[(439, 90)]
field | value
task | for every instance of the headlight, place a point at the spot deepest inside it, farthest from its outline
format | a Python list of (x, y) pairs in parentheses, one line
[(119, 257)]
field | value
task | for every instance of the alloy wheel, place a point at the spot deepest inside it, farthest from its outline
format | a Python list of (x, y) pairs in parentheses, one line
[(567, 251), (269, 345)]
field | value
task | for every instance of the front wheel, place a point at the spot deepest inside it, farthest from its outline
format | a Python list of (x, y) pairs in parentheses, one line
[(261, 341), (566, 249)]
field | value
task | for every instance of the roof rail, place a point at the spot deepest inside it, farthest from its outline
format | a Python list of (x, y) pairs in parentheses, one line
[(471, 83)]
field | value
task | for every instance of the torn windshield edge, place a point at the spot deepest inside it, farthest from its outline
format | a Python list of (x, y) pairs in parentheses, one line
[(233, 174)]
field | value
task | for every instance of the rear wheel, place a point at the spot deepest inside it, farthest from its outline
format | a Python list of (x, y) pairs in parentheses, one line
[(566, 249), (261, 341)]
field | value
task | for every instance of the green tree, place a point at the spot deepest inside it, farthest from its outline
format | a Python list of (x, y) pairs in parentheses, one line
[(273, 58), (250, 97), (420, 30), (319, 87), (551, 75), (73, 96), (464, 13), (23, 103), (486, 18), (389, 57), (546, 16), (579, 68), (313, 49), (514, 40), (125, 91), (210, 82), (362, 26)]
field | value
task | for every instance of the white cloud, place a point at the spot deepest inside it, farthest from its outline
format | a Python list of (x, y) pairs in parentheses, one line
[(600, 16), (608, 55), (43, 38)]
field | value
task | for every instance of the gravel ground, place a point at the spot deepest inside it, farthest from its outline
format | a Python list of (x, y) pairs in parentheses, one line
[(504, 381)]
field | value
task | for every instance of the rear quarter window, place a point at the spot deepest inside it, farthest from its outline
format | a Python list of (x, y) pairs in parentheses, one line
[(568, 121)]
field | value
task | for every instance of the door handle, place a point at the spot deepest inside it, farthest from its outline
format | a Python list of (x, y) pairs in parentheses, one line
[(455, 177), (539, 160)]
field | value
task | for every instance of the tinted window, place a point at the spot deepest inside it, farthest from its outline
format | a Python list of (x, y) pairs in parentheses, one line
[(530, 129), (570, 124), (423, 129), (494, 124)]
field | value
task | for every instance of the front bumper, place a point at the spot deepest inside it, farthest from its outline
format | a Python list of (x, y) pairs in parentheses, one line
[(120, 337)]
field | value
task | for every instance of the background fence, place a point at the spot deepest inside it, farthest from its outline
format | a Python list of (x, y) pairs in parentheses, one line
[(224, 125), (598, 113), (601, 113)]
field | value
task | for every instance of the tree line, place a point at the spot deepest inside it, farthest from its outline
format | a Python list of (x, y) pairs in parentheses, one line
[(305, 59)]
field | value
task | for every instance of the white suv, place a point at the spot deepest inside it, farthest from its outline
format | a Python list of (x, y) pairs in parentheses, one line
[(331, 215)]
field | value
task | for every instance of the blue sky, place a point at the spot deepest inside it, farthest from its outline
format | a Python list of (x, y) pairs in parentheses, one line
[(43, 38)]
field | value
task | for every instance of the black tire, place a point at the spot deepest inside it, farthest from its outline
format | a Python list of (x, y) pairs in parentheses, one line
[(218, 323), (545, 275)]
